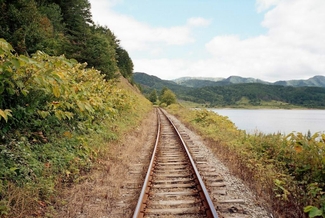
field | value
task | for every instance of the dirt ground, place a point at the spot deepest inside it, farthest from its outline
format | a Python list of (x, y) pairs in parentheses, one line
[(112, 189)]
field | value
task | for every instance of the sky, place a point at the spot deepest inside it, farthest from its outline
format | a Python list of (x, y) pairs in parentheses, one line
[(266, 39)]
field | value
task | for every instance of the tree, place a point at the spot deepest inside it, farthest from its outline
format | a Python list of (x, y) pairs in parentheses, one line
[(54, 43), (100, 51), (124, 62), (168, 97), (162, 92), (153, 96), (59, 27), (24, 26)]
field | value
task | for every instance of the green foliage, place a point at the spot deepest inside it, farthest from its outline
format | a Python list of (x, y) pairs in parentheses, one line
[(124, 62), (53, 89), (149, 83), (288, 171), (100, 51), (232, 95), (313, 211), (153, 96), (162, 92), (63, 27), (167, 97), (56, 117), (28, 27), (315, 192)]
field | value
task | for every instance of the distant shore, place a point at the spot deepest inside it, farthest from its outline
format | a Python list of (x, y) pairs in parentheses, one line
[(263, 105)]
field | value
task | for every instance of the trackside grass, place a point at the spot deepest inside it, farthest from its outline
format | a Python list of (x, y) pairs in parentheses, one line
[(287, 171)]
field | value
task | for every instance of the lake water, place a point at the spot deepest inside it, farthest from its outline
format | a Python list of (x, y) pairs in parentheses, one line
[(276, 120)]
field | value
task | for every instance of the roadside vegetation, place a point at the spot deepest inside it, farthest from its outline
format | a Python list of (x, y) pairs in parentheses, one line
[(287, 171), (56, 118), (60, 113), (64, 100)]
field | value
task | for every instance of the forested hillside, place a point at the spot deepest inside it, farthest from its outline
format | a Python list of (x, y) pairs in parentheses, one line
[(238, 95), (316, 81), (197, 83), (62, 100), (256, 93), (59, 27)]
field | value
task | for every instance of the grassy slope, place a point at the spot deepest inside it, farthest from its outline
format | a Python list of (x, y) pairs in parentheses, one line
[(63, 164)]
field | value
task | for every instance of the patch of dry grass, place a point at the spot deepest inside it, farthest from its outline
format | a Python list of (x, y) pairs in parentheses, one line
[(98, 193)]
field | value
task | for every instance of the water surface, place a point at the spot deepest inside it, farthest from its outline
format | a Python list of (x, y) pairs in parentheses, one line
[(276, 120)]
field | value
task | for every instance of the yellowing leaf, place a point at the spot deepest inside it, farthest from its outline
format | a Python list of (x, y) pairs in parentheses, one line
[(89, 107), (2, 114), (67, 173), (58, 114), (298, 148), (5, 113), (68, 115), (43, 114), (56, 90), (24, 92), (81, 106), (67, 134)]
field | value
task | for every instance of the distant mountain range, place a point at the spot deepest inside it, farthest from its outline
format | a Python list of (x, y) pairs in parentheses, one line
[(240, 92), (196, 82)]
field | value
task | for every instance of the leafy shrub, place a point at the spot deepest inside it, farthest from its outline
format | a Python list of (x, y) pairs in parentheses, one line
[(56, 117)]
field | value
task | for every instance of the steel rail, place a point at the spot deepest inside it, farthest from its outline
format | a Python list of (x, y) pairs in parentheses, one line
[(145, 188), (139, 211), (210, 206)]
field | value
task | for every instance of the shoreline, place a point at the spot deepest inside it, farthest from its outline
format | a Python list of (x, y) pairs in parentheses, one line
[(264, 108)]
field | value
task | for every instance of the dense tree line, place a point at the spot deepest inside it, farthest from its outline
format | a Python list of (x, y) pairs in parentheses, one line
[(232, 94), (255, 93), (63, 27), (166, 97)]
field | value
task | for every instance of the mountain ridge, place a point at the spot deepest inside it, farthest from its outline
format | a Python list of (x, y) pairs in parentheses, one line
[(196, 82), (253, 94)]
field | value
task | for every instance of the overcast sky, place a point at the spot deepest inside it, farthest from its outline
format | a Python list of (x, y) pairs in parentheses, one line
[(266, 39)]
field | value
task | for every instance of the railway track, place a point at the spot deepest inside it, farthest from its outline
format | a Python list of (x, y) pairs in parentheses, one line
[(173, 186)]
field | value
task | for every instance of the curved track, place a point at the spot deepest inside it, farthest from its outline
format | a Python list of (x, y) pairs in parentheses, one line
[(173, 186)]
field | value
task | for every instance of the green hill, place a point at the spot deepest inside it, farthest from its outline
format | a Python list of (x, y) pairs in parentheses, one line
[(197, 82), (149, 83), (317, 81), (238, 95)]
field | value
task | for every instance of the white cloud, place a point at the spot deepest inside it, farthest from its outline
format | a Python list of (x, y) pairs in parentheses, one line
[(163, 68), (293, 47), (298, 23), (135, 35), (262, 57), (263, 5), (198, 21)]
